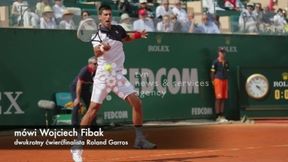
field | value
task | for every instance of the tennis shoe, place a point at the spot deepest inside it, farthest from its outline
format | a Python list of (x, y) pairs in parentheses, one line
[(77, 155), (142, 143)]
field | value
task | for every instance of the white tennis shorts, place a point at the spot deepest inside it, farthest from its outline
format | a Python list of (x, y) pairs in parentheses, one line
[(104, 83)]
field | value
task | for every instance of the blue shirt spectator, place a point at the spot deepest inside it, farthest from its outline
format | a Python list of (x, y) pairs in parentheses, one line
[(207, 26), (144, 22)]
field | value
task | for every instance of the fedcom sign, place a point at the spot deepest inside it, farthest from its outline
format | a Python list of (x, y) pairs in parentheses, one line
[(112, 115), (13, 106), (198, 111)]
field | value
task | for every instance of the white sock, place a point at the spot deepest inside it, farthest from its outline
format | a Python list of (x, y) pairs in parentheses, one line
[(139, 132)]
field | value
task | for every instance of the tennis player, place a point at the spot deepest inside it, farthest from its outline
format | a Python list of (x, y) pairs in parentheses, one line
[(108, 48)]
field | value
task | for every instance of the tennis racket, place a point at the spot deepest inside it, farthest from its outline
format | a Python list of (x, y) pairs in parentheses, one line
[(86, 29)]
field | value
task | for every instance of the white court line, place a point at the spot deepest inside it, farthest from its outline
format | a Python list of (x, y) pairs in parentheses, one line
[(281, 145), (235, 149), (143, 157)]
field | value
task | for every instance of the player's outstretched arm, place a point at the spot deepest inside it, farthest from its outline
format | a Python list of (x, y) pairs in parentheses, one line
[(135, 35)]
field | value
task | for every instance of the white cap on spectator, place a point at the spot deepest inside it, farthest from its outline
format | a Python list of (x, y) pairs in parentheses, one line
[(47, 9), (142, 1), (67, 12), (250, 4), (124, 16)]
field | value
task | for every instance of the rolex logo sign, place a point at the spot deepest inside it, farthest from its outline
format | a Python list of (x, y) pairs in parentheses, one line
[(158, 48), (227, 41), (283, 82), (158, 39), (285, 76)]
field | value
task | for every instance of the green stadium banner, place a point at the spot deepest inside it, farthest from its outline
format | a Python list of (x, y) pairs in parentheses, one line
[(170, 72)]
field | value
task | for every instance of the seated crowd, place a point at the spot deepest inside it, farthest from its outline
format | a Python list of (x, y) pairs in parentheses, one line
[(165, 18)]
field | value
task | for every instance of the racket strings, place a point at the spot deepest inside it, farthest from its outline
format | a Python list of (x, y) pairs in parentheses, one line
[(86, 30)]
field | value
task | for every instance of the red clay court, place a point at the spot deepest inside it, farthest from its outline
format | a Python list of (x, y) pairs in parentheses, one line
[(260, 142)]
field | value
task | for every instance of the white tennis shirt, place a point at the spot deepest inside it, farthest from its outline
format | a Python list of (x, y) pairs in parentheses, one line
[(115, 56)]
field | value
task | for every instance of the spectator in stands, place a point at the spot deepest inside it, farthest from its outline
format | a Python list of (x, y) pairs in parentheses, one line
[(207, 26), (125, 7), (247, 20), (163, 9), (267, 15), (40, 6), (125, 22), (144, 22), (279, 21), (217, 21), (31, 19), (177, 26), (143, 5), (58, 9), (67, 21), (180, 13), (19, 7), (230, 4), (84, 15), (191, 24), (233, 5), (272, 5), (165, 25), (22, 15), (258, 14), (211, 16), (47, 20), (211, 6)]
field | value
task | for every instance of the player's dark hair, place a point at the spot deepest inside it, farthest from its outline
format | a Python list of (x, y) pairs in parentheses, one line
[(104, 7)]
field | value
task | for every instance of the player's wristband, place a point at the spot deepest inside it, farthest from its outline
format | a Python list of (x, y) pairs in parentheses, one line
[(137, 35)]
